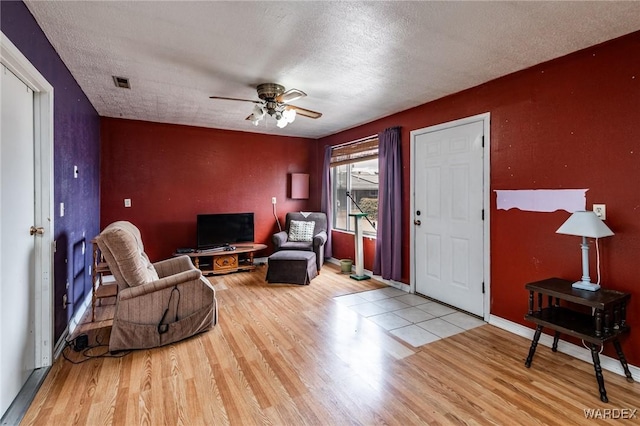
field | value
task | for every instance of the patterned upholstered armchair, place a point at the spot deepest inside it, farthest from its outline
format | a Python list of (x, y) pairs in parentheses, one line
[(157, 303), (296, 235)]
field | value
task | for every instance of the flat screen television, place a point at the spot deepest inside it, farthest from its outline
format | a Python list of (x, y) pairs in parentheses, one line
[(219, 230)]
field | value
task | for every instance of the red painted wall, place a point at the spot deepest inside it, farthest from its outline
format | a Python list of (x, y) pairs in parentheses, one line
[(569, 123), (172, 173)]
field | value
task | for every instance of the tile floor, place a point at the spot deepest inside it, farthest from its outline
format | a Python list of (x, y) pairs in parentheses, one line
[(412, 318)]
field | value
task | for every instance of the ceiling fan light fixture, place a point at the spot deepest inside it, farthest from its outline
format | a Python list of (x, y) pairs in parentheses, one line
[(258, 111), (289, 115), (257, 115), (274, 102)]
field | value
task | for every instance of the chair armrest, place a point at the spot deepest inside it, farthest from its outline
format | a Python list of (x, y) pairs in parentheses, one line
[(319, 239), (279, 239), (173, 265), (163, 283)]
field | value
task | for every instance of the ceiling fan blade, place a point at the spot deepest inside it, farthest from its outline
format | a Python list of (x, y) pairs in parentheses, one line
[(304, 112), (234, 99), (290, 96)]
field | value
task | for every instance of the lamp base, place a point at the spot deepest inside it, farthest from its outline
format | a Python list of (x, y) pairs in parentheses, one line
[(583, 285)]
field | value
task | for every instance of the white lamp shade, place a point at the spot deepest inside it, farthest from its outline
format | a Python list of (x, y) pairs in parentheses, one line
[(585, 224)]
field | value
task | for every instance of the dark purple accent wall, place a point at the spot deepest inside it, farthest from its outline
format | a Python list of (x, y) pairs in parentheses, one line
[(76, 142)]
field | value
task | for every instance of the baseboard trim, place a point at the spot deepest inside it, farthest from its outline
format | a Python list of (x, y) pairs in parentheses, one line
[(583, 354), (22, 402)]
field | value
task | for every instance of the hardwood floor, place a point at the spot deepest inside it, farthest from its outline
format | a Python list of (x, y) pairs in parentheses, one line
[(291, 355)]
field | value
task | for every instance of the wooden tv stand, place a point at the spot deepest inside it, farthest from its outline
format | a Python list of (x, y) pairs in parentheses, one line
[(219, 261)]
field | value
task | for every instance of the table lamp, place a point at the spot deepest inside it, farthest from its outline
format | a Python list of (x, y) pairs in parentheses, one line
[(586, 224)]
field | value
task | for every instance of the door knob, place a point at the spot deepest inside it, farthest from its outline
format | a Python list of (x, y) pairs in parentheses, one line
[(417, 222), (33, 230)]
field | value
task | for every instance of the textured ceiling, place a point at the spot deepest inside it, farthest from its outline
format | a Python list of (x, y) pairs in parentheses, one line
[(357, 61)]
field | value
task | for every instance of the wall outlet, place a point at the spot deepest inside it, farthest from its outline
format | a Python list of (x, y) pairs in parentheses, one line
[(61, 209), (273, 200), (127, 202), (600, 210)]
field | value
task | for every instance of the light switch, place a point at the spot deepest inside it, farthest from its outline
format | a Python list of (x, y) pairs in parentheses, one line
[(127, 202), (75, 172)]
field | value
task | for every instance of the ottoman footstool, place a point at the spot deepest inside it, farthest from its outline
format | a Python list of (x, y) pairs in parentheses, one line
[(292, 267)]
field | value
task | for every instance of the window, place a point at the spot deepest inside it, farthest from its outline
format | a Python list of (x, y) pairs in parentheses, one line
[(354, 171)]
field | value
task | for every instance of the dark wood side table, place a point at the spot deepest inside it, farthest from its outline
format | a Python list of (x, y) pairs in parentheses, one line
[(607, 323)]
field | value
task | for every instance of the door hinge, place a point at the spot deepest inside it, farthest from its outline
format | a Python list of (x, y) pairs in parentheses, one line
[(482, 214), (483, 141), (482, 287)]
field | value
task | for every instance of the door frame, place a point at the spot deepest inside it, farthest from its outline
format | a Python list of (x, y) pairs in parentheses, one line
[(485, 118), (17, 63)]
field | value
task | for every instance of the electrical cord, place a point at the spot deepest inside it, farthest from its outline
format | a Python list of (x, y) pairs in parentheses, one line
[(355, 203), (86, 351), (587, 347), (162, 326), (276, 216), (81, 345), (598, 261)]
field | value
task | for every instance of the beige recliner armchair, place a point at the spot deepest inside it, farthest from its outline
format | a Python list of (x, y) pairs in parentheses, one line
[(157, 303)]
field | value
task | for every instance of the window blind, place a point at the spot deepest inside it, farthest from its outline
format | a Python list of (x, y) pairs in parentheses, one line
[(361, 150)]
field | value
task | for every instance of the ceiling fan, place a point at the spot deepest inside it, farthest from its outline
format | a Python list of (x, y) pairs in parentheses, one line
[(275, 102)]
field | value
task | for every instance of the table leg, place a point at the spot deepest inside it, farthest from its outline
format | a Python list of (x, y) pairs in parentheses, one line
[(598, 322), (623, 361), (556, 337), (93, 304), (534, 344), (599, 376)]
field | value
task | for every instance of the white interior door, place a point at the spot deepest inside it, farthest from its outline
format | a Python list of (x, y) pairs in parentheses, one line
[(17, 255), (448, 215)]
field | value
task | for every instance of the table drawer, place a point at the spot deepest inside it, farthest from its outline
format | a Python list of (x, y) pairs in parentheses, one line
[(225, 262)]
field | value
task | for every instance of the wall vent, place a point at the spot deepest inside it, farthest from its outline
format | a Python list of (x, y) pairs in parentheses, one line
[(121, 82)]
